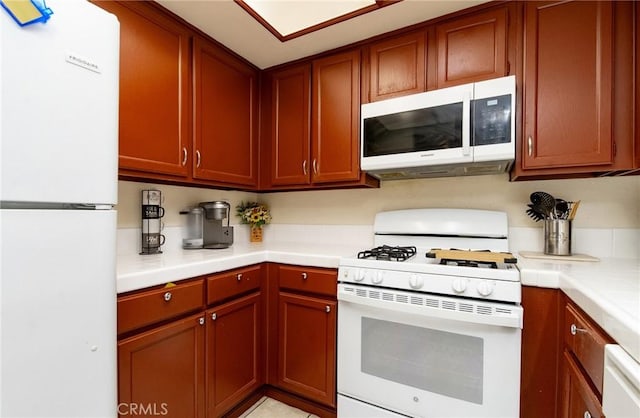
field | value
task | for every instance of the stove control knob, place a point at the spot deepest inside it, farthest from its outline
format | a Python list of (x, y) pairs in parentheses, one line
[(377, 277), (415, 281), (360, 275), (485, 288), (459, 285)]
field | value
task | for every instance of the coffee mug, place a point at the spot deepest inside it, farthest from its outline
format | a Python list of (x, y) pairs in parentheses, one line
[(152, 211), (154, 240)]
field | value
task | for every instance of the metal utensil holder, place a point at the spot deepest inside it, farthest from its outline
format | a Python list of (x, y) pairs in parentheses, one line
[(151, 217), (557, 236)]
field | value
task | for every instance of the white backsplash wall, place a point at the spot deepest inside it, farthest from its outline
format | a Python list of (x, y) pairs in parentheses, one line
[(607, 222)]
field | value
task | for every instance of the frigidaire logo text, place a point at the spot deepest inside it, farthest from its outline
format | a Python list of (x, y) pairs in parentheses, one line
[(143, 409)]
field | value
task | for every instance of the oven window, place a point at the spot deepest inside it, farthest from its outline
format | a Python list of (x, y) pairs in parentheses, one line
[(440, 362), (429, 129)]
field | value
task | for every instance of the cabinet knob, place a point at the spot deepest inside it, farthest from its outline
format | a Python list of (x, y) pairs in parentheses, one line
[(587, 414), (530, 145), (304, 167), (239, 276), (214, 316), (167, 296), (304, 276), (197, 158), (184, 156), (327, 309), (201, 321), (315, 166), (574, 330)]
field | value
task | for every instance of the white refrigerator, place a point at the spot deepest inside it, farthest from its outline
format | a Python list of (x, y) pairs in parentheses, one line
[(58, 188)]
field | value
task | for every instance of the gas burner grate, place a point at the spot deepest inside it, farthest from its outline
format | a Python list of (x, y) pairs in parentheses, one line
[(389, 253)]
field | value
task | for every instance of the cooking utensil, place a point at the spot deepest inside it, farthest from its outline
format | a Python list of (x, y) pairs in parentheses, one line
[(574, 209), (561, 209), (535, 213), (545, 201)]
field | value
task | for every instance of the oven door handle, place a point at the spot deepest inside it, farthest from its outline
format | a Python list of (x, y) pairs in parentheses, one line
[(470, 311)]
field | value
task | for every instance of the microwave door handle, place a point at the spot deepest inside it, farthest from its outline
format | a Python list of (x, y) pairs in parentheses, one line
[(466, 124)]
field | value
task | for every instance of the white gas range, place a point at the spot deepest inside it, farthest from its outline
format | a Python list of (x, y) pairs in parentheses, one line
[(426, 330)]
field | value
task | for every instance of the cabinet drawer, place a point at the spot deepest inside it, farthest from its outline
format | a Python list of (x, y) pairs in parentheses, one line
[(233, 283), (586, 342), (312, 280), (148, 307)]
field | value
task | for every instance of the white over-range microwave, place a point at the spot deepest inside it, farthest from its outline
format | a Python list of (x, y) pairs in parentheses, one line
[(456, 131)]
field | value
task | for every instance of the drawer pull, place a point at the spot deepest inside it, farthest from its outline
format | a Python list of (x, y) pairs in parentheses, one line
[(239, 277), (304, 276), (530, 146), (201, 321), (214, 316), (327, 309), (167, 296), (587, 414), (184, 156), (574, 330)]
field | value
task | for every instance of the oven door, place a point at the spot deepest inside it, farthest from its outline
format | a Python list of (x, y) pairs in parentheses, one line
[(424, 355)]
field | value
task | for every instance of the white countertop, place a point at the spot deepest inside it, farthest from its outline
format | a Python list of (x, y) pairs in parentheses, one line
[(140, 271), (608, 290)]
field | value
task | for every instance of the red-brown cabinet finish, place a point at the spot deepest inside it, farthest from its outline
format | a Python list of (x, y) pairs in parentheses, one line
[(225, 116), (472, 48), (163, 370), (154, 90), (578, 399), (567, 84), (307, 346), (335, 120), (234, 353), (541, 345), (291, 134), (397, 66), (148, 307)]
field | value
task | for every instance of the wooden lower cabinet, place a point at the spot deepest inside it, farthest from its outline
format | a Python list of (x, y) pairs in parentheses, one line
[(161, 371), (541, 338), (234, 354), (307, 346), (578, 398)]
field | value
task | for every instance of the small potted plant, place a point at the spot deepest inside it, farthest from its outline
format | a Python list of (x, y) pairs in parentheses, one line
[(256, 215)]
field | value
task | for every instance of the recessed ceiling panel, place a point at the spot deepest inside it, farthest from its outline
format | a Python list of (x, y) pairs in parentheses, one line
[(290, 16)]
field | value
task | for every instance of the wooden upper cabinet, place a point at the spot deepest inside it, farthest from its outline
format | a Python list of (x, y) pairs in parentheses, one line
[(291, 135), (225, 116), (568, 83), (154, 89), (335, 119), (472, 48), (397, 66)]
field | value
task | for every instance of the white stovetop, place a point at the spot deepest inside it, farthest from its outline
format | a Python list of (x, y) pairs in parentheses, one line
[(608, 290)]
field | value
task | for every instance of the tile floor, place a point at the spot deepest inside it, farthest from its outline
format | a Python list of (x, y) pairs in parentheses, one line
[(270, 408)]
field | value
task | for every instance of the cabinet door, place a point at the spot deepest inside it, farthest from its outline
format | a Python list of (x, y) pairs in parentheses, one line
[(162, 371), (154, 90), (567, 84), (472, 48), (578, 399), (397, 66), (307, 347), (290, 137), (225, 116), (336, 118), (234, 353), (541, 342)]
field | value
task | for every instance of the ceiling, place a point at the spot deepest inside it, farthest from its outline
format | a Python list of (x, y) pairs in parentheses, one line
[(230, 25)]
